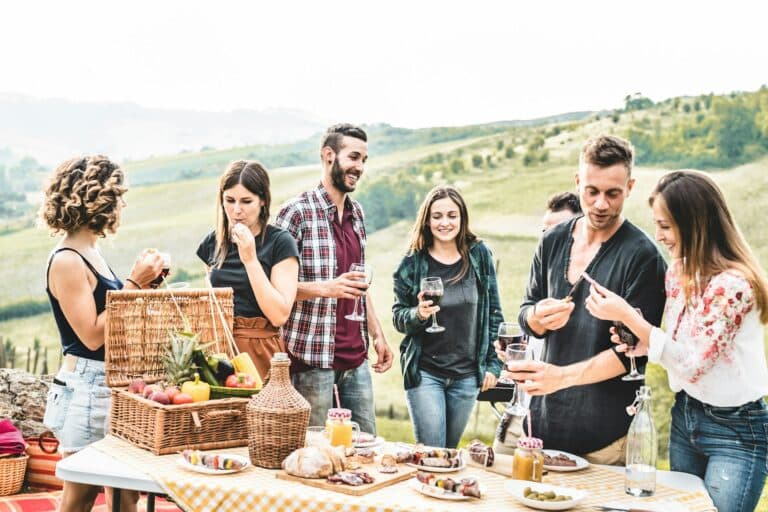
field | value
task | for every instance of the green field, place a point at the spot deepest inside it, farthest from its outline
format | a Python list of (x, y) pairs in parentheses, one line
[(505, 204)]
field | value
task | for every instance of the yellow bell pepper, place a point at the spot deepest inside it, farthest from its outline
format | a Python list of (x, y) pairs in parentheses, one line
[(199, 391), (244, 364)]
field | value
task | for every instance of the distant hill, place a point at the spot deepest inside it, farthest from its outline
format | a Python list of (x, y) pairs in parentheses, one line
[(53, 129)]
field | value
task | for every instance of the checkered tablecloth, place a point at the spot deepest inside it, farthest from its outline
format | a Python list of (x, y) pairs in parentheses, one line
[(256, 489)]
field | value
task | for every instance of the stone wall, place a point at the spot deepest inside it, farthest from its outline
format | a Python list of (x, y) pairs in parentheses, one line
[(22, 398)]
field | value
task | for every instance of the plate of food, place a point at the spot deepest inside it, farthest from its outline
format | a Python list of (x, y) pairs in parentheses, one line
[(213, 463), (544, 496), (366, 440), (459, 489), (556, 460), (438, 460)]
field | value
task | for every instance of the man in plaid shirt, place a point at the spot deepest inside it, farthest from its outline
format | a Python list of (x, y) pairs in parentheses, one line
[(325, 347)]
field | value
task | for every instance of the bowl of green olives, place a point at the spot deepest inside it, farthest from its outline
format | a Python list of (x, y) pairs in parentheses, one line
[(545, 496)]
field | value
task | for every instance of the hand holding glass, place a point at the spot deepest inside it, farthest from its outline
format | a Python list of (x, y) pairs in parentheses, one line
[(432, 289), (368, 271), (164, 272)]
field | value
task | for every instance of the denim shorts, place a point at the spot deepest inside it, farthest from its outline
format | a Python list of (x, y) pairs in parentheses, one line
[(78, 405)]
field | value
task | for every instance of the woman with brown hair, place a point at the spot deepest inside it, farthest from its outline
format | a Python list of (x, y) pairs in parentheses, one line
[(258, 260), (713, 345), (84, 200), (443, 371)]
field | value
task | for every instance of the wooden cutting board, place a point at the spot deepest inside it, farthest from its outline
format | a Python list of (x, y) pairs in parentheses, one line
[(381, 480)]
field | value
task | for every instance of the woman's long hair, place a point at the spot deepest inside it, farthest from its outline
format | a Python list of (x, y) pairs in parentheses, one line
[(709, 240), (421, 234), (252, 175)]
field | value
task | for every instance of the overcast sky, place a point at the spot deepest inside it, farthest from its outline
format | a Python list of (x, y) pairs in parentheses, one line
[(408, 63)]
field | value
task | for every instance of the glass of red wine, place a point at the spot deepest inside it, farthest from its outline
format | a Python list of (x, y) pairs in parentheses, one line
[(432, 289), (517, 352), (509, 333), (368, 271), (628, 337), (164, 272)]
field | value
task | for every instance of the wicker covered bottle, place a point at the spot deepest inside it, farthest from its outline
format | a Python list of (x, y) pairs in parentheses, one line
[(277, 418)]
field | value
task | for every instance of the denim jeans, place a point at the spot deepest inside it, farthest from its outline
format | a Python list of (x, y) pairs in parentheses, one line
[(440, 408), (725, 446), (355, 392), (77, 411)]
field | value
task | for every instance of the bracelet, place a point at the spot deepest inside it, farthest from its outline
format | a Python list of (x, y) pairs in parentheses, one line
[(134, 283)]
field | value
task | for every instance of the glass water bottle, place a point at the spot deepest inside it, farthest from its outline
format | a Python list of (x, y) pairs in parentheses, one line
[(640, 472)]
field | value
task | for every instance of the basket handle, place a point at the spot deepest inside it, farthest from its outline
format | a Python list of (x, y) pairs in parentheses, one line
[(223, 412), (51, 438), (224, 326), (213, 414)]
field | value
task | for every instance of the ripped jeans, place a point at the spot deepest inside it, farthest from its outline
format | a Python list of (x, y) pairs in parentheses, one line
[(726, 446)]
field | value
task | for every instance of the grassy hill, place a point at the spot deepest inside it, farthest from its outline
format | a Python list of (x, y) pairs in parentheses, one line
[(505, 197)]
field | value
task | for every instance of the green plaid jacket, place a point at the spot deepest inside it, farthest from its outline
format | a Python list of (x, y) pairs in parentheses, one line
[(407, 281)]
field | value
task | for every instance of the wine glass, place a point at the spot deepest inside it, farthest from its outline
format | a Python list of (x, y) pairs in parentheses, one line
[(517, 352), (368, 271), (509, 333), (432, 288), (628, 337)]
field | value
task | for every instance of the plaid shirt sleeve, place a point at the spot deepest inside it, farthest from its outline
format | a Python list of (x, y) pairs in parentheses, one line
[(310, 330)]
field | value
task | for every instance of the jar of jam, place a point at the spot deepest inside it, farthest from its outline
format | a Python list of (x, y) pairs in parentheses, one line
[(528, 461), (340, 428)]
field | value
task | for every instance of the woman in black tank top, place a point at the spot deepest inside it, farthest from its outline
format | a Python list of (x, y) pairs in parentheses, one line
[(84, 202)]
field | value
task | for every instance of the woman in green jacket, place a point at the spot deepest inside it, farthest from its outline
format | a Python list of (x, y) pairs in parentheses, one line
[(443, 371)]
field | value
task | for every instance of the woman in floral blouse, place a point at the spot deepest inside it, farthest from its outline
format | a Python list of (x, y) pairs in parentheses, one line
[(712, 348)]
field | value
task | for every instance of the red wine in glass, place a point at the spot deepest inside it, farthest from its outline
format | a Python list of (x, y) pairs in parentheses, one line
[(435, 297), (432, 288), (628, 337), (164, 272), (505, 340)]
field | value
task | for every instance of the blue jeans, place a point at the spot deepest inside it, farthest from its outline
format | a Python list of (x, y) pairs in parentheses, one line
[(77, 411), (355, 393), (440, 408), (725, 446)]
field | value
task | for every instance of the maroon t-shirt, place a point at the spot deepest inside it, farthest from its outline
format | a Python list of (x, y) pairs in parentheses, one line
[(349, 350)]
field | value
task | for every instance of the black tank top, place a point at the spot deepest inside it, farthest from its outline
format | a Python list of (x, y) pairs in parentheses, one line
[(70, 343)]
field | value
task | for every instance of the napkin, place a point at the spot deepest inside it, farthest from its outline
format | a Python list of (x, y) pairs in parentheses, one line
[(11, 440)]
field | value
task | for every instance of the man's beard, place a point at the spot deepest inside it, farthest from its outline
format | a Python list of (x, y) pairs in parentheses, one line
[(337, 177)]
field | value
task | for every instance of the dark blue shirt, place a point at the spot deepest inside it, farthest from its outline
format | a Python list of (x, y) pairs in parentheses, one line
[(70, 342)]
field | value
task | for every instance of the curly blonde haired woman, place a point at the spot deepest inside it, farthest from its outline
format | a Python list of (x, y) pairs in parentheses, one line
[(84, 201)]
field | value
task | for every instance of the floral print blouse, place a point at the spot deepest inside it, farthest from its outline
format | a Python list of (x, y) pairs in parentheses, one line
[(712, 347)]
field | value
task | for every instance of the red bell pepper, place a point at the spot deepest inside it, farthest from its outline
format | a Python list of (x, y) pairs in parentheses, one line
[(240, 380)]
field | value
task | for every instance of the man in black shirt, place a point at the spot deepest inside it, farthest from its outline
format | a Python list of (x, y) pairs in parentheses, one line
[(579, 398)]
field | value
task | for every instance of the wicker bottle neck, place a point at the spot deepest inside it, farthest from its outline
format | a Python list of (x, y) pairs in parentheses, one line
[(279, 375)]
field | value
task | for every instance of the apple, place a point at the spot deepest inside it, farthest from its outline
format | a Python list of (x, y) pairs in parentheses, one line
[(182, 398), (148, 390), (160, 397), (171, 391), (137, 386)]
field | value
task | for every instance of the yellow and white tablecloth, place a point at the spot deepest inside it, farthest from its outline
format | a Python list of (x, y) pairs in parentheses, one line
[(256, 489)]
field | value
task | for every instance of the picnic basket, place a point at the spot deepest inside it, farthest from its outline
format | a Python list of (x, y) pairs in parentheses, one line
[(137, 327), (12, 471)]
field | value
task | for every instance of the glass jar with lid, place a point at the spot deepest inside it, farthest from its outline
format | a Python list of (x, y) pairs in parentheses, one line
[(340, 428), (528, 461)]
